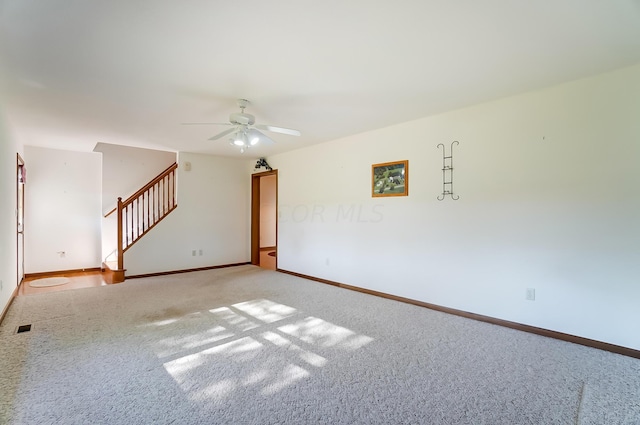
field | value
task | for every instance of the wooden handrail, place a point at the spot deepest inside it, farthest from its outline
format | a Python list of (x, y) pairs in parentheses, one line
[(145, 188), (150, 184), (143, 210), (111, 212)]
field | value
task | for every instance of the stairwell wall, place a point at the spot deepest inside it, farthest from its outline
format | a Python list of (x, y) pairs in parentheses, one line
[(211, 220), (125, 170)]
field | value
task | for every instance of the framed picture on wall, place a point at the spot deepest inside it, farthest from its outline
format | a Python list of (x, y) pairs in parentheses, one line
[(390, 179)]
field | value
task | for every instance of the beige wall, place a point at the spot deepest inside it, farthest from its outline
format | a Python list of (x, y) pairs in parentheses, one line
[(126, 169), (212, 218), (8, 255), (63, 206), (549, 200)]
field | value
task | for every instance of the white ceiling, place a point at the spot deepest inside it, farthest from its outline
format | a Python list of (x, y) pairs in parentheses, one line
[(79, 72)]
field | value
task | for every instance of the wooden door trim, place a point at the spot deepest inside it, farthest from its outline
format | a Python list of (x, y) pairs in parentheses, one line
[(19, 231), (255, 214)]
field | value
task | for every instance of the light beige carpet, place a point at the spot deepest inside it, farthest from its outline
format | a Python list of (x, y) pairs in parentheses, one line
[(245, 345)]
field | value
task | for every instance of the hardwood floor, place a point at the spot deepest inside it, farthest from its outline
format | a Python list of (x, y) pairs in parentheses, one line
[(96, 278), (78, 280), (268, 259)]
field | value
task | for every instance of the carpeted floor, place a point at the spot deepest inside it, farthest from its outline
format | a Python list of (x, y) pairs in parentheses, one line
[(245, 345)]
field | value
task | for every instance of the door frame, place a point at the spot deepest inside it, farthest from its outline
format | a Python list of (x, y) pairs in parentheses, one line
[(255, 215), (20, 187)]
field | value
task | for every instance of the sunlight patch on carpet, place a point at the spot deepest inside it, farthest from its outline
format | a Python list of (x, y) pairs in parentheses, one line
[(315, 331), (247, 349), (306, 356), (289, 376), (255, 377), (217, 391), (239, 351), (175, 345), (234, 319), (265, 310)]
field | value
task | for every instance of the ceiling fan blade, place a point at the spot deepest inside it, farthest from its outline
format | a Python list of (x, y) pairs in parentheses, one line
[(224, 133), (275, 129), (206, 123), (261, 136)]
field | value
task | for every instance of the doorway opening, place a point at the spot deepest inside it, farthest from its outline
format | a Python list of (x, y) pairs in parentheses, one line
[(264, 219), (21, 179)]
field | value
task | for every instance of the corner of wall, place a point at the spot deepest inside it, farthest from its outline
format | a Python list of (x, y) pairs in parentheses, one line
[(8, 248)]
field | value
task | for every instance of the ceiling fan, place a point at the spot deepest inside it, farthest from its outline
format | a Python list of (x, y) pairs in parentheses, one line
[(244, 133)]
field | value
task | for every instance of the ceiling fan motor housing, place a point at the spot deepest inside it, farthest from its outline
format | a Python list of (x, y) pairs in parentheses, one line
[(243, 119)]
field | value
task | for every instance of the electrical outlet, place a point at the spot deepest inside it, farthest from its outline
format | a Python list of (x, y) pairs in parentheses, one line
[(193, 253), (326, 261), (531, 294), (0, 285), (200, 252)]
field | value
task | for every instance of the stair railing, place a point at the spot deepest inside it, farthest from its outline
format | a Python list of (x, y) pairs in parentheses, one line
[(141, 211)]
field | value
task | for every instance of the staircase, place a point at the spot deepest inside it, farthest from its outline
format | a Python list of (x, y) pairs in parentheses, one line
[(138, 214)]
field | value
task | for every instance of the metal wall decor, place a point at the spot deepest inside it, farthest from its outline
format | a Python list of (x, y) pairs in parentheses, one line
[(447, 173), (262, 162)]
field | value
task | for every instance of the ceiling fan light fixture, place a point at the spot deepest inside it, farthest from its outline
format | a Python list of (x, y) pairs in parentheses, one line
[(243, 133)]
